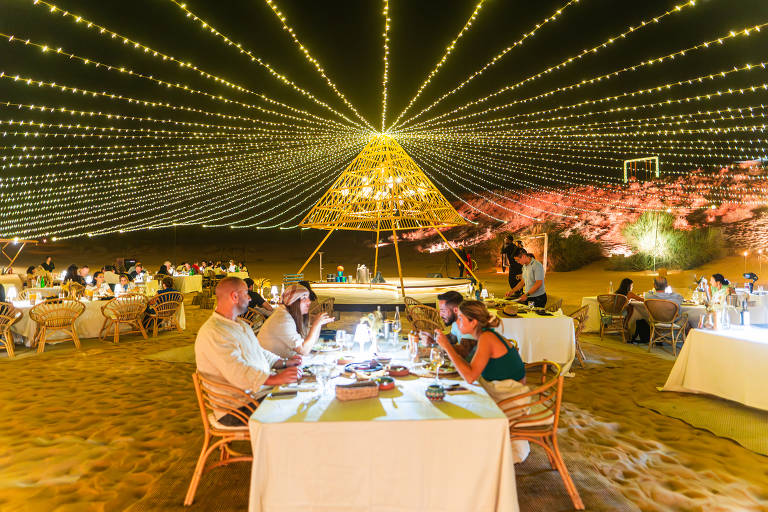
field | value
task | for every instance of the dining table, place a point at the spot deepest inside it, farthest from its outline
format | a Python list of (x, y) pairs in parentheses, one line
[(540, 337), (396, 452), (188, 284), (727, 363)]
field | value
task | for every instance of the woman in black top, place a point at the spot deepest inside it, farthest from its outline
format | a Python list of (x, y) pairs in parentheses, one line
[(48, 265)]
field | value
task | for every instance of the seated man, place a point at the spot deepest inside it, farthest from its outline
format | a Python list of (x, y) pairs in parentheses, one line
[(448, 303), (532, 284), (226, 349), (138, 274), (257, 302), (660, 286)]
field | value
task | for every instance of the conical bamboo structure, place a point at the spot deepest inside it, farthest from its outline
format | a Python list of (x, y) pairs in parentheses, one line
[(382, 189)]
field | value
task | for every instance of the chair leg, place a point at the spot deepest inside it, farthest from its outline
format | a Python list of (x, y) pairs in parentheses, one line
[(567, 481), (154, 327), (8, 343), (602, 329), (75, 338), (198, 473), (653, 336), (116, 337), (141, 328), (41, 340), (579, 354)]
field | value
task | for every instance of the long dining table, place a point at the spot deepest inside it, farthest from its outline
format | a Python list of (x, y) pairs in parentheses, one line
[(397, 452)]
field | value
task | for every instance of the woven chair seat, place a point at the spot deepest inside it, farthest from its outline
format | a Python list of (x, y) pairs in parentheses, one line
[(225, 428), (124, 310)]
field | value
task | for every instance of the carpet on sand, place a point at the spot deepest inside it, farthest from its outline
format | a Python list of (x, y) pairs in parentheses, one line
[(731, 420), (185, 354)]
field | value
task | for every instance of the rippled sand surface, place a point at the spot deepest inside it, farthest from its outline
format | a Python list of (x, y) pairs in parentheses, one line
[(99, 429)]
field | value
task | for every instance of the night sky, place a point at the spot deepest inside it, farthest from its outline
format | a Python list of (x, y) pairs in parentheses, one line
[(346, 38)]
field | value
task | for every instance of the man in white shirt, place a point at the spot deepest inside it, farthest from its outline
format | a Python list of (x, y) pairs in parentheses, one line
[(533, 279), (226, 349)]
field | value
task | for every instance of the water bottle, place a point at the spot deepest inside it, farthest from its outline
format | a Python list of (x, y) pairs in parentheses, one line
[(610, 286)]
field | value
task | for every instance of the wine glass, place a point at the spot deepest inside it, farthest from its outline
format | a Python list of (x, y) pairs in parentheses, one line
[(397, 326), (437, 359)]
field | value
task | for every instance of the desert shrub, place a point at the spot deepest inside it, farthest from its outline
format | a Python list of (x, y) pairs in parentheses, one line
[(654, 234), (564, 251)]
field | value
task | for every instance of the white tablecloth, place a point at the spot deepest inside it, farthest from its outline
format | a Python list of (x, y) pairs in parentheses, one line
[(241, 275), (394, 453), (11, 280), (542, 338), (48, 291), (188, 284), (88, 325), (731, 364)]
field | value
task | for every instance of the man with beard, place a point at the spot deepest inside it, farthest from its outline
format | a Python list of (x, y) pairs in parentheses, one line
[(226, 350), (448, 305)]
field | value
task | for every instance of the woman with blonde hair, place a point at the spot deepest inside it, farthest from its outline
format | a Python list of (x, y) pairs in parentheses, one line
[(288, 330), (494, 359)]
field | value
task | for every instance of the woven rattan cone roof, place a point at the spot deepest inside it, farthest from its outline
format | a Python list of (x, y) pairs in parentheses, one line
[(382, 189)]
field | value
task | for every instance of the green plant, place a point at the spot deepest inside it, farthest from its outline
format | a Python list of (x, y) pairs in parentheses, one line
[(656, 242)]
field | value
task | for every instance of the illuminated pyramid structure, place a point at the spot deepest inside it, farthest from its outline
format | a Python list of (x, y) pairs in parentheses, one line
[(382, 189)]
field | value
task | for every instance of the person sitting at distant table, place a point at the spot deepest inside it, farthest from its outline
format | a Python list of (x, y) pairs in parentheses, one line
[(124, 286), (660, 286), (257, 301), (232, 267), (227, 350), (187, 269), (163, 295), (288, 330), (625, 289), (138, 274), (99, 287), (166, 269), (719, 289), (495, 358), (241, 267), (533, 279), (448, 306)]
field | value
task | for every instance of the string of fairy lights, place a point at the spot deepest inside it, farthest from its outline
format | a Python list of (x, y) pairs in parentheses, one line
[(104, 130)]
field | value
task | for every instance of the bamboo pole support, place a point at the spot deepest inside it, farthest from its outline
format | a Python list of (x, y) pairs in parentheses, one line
[(316, 249), (397, 256), (457, 254)]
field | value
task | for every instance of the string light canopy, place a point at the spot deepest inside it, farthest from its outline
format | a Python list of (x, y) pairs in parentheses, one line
[(382, 190), (110, 125)]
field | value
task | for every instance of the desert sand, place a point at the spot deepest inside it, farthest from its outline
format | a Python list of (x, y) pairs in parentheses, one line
[(100, 429)]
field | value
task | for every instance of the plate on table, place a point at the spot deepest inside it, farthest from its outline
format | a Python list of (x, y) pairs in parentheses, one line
[(325, 347), (364, 367), (427, 370)]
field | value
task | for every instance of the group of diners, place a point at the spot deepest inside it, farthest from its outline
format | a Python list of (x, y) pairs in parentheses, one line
[(228, 351), (202, 267), (716, 290)]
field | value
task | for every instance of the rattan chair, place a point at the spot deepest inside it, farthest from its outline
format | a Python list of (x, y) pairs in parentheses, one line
[(56, 315), (534, 416), (8, 316), (409, 303), (127, 310), (553, 303), (215, 396), (253, 318), (163, 311), (612, 307), (425, 318), (666, 322), (326, 306), (580, 317)]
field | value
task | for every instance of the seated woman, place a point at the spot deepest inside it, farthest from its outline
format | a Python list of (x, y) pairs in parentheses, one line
[(495, 359), (287, 330), (166, 269), (32, 276), (630, 320), (314, 305), (241, 266), (625, 288), (124, 286), (100, 288), (163, 295), (73, 274), (719, 288)]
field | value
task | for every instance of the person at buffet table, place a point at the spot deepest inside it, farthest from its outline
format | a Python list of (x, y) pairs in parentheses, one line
[(227, 350), (532, 284), (448, 306), (166, 269), (124, 286), (494, 359), (48, 264), (99, 286), (288, 329), (719, 288), (138, 274), (257, 301)]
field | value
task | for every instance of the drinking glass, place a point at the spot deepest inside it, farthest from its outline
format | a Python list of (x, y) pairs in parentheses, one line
[(397, 326), (437, 359), (340, 337), (531, 304), (349, 342)]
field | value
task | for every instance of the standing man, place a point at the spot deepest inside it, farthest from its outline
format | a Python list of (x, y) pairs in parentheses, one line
[(515, 270), (533, 279)]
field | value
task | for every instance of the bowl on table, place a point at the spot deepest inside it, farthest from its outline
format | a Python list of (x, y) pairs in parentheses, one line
[(398, 370), (435, 392)]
